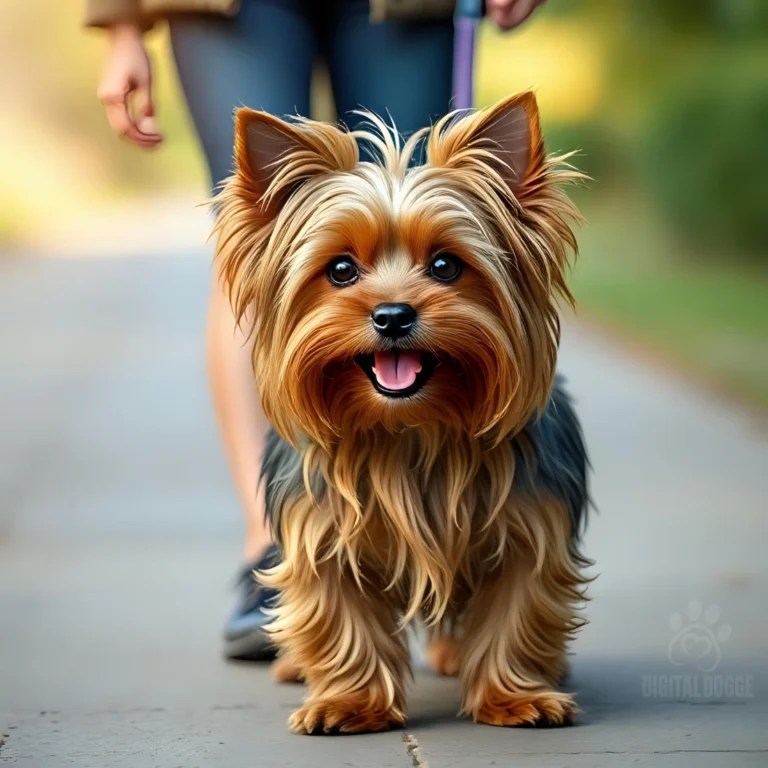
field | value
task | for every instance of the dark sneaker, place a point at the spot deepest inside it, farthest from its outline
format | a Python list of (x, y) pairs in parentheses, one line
[(244, 634)]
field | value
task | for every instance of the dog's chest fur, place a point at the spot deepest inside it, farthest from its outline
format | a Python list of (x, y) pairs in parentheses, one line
[(427, 511)]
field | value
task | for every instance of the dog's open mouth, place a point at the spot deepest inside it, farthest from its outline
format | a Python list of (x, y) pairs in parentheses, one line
[(398, 372)]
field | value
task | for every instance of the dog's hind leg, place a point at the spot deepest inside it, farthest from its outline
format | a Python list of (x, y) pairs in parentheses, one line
[(285, 671), (519, 620), (444, 651)]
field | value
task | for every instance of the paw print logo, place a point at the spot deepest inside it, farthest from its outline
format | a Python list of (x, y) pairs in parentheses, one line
[(696, 638)]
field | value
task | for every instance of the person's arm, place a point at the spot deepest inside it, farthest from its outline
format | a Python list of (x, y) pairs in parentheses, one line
[(126, 82)]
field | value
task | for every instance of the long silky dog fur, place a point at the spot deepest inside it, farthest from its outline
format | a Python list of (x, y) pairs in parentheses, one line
[(461, 505)]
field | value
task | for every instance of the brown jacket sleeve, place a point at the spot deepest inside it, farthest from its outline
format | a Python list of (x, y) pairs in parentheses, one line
[(104, 13), (383, 10)]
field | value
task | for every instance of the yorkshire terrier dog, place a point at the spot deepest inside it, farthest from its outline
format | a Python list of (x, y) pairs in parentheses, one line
[(425, 461)]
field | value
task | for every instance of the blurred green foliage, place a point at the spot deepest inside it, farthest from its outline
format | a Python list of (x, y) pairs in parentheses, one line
[(599, 152), (683, 116), (675, 254), (708, 317), (705, 158)]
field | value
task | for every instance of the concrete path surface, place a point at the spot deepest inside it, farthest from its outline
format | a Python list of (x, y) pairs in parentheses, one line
[(119, 537)]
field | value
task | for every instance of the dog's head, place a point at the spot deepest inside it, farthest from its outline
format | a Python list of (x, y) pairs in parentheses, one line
[(385, 295)]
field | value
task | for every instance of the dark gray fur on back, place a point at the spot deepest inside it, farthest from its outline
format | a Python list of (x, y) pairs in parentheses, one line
[(550, 457), (283, 475)]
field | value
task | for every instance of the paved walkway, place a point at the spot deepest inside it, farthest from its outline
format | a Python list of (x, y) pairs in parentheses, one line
[(119, 534)]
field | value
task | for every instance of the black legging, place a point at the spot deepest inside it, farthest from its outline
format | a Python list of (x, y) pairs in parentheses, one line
[(264, 59)]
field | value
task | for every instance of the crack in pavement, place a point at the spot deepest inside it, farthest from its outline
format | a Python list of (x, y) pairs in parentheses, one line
[(414, 751)]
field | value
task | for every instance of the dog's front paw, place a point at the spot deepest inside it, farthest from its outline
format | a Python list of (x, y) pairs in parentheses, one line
[(352, 714), (547, 708)]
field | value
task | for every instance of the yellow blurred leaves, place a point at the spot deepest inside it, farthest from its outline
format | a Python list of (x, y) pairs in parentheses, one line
[(561, 59)]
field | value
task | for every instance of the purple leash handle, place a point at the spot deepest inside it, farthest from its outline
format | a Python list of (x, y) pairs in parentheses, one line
[(465, 21)]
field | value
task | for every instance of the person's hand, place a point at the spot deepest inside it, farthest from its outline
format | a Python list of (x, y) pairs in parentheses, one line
[(510, 13), (126, 88)]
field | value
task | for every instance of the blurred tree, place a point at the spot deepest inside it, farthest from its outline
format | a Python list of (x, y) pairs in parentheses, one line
[(705, 158)]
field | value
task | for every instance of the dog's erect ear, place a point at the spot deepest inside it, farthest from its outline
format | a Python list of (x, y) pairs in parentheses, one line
[(273, 157), (506, 137)]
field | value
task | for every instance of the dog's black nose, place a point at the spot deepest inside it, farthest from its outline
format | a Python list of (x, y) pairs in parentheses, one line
[(393, 320)]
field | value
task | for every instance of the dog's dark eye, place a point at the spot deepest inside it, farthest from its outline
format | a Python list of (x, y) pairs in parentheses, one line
[(445, 267), (343, 271)]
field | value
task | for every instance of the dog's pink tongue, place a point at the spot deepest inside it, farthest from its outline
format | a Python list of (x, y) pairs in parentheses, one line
[(396, 370)]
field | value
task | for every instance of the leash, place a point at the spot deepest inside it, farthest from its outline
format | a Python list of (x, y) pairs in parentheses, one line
[(465, 22)]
